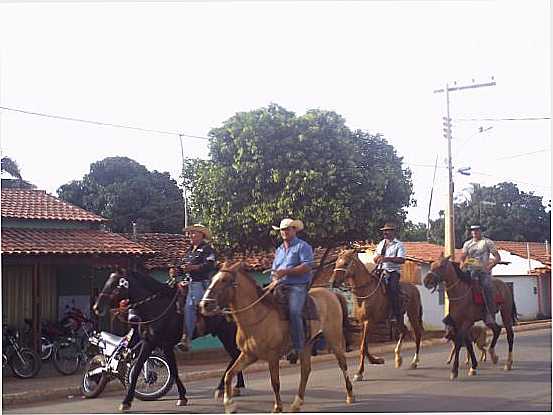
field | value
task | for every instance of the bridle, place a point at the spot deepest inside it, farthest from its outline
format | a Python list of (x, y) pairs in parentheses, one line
[(347, 274), (438, 278)]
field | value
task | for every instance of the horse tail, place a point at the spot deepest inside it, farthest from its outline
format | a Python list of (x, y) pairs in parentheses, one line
[(420, 317), (514, 313)]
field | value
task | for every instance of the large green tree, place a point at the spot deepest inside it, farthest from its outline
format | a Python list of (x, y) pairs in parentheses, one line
[(268, 164), (505, 212), (124, 191), (11, 167)]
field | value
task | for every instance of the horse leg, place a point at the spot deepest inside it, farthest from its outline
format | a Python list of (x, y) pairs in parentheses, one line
[(455, 368), (239, 381), (305, 362), (415, 321), (172, 361), (496, 331), (243, 361), (470, 352), (362, 353), (274, 370), (145, 352), (448, 361), (342, 362), (397, 350)]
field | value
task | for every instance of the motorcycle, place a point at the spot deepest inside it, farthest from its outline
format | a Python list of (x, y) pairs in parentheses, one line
[(24, 362), (71, 351), (115, 360)]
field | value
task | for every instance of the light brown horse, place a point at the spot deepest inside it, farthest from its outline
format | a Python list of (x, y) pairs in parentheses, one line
[(263, 335), (371, 304), (464, 312)]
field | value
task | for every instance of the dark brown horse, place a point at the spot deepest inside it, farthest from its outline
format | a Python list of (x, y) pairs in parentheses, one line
[(371, 304), (464, 312), (264, 335)]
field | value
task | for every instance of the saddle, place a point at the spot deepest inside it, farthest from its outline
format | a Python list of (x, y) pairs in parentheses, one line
[(478, 298), (281, 298)]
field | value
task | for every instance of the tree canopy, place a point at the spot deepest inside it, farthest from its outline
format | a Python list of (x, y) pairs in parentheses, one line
[(124, 191), (269, 163), (505, 212), (11, 167)]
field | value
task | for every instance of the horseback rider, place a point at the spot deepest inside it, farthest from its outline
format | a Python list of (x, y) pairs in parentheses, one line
[(199, 263), (390, 252), (292, 267), (476, 259)]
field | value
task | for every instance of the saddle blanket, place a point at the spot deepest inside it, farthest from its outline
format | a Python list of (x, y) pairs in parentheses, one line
[(479, 299)]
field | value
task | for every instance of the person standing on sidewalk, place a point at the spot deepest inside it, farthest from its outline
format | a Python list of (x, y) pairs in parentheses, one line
[(199, 263)]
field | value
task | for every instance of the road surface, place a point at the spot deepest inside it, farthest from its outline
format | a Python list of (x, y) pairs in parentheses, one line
[(427, 389)]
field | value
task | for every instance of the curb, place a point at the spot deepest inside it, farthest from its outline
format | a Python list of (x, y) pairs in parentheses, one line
[(27, 397)]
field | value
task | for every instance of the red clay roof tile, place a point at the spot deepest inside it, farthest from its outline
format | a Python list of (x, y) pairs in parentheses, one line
[(19, 241), (37, 204)]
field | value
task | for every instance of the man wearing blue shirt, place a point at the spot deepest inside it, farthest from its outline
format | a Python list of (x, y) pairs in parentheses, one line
[(292, 267), (390, 252)]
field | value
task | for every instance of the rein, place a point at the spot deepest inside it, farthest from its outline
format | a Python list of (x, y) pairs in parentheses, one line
[(268, 291), (449, 287), (365, 297)]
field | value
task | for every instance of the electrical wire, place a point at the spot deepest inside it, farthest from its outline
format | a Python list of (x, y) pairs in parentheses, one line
[(105, 124), (503, 119), (523, 154)]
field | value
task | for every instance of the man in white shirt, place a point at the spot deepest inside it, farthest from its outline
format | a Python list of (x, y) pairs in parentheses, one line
[(476, 259), (390, 252)]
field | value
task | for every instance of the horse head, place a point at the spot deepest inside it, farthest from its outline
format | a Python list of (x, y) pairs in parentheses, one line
[(342, 269), (436, 274), (222, 289), (115, 288)]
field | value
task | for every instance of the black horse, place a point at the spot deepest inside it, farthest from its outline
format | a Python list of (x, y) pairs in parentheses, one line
[(161, 325)]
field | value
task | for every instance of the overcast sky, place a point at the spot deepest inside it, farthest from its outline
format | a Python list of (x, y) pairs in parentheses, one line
[(189, 66)]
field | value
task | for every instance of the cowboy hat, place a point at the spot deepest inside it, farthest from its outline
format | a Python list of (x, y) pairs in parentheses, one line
[(287, 223), (388, 226), (198, 227), (475, 227)]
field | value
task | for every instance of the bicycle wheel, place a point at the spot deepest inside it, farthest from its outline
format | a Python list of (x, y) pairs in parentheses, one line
[(94, 378), (66, 357), (27, 365), (155, 379)]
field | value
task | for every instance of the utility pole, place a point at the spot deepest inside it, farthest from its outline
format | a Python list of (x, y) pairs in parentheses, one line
[(449, 240), (183, 184)]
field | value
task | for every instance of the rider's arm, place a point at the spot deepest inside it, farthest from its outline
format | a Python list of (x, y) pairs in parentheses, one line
[(306, 261), (464, 254), (495, 253), (400, 255)]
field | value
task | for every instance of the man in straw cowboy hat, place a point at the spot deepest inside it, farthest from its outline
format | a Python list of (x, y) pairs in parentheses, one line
[(390, 252), (199, 263), (476, 259), (292, 267)]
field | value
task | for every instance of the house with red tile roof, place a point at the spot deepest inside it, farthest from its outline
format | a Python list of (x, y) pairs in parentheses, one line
[(54, 254)]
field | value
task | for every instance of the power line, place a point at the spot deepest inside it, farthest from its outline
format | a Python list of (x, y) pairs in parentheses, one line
[(503, 119), (523, 154), (105, 124)]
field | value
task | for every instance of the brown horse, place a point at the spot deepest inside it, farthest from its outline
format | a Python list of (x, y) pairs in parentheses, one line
[(263, 335), (371, 304), (464, 312)]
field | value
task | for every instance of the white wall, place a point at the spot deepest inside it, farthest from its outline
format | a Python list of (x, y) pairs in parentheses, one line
[(432, 312)]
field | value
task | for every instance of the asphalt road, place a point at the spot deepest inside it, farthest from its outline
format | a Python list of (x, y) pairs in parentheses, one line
[(427, 389)]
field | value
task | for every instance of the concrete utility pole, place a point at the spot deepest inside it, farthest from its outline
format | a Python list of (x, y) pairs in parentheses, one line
[(449, 241), (183, 184)]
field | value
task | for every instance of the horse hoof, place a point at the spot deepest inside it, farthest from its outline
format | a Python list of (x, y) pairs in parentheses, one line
[(508, 366), (218, 394), (453, 376), (350, 400), (413, 365), (494, 357), (472, 372), (182, 402), (399, 361), (277, 409), (124, 407), (231, 407), (358, 377), (296, 405), (447, 362)]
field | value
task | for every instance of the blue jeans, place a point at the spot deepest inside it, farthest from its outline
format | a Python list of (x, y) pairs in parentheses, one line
[(196, 290), (297, 294)]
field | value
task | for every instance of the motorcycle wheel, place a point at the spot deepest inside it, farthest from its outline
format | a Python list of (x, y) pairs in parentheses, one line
[(46, 347), (27, 366), (66, 357), (94, 384), (154, 380)]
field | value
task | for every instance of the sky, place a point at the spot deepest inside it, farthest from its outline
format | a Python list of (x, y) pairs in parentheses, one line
[(186, 67)]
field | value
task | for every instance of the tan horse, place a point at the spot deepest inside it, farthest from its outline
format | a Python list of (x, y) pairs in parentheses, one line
[(263, 335), (371, 304), (465, 312)]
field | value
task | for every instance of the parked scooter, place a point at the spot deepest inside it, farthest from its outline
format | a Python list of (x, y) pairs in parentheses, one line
[(24, 362), (115, 360)]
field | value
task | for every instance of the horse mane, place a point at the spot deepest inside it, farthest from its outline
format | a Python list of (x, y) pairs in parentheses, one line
[(150, 283), (238, 267), (462, 275)]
